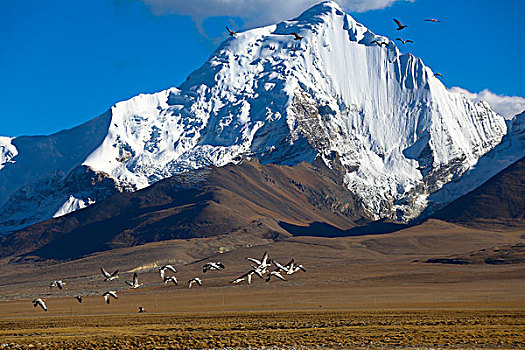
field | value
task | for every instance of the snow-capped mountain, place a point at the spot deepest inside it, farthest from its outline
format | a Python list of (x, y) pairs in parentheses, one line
[(380, 117)]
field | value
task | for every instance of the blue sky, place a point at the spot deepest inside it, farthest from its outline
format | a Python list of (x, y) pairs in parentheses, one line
[(64, 62)]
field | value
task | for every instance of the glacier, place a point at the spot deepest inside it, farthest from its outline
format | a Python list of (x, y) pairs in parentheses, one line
[(395, 133)]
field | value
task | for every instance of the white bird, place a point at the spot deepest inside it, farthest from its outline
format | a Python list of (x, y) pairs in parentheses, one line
[(194, 280), (40, 302), (296, 269), (247, 276), (276, 274), (163, 269), (171, 279), (213, 266), (109, 276), (135, 283), (289, 268), (263, 264), (59, 284), (242, 278), (109, 293)]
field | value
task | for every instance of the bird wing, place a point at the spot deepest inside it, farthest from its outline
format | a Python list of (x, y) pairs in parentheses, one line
[(302, 268), (113, 294), (242, 277), (199, 282), (221, 265), (169, 267), (265, 256), (162, 273), (42, 304), (105, 273), (114, 273), (398, 23), (135, 278), (409, 41), (279, 266), (255, 261), (228, 29), (278, 275)]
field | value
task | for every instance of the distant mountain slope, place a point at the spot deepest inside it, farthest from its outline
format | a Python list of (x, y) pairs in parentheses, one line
[(216, 201), (500, 255), (502, 197), (392, 130)]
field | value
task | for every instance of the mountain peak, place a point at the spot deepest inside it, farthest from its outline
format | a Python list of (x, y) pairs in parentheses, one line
[(324, 7), (381, 119)]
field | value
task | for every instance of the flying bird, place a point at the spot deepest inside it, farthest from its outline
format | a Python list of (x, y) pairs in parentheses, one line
[(40, 302), (163, 269), (213, 266), (399, 25), (79, 299), (171, 279), (231, 33), (194, 280), (378, 43), (109, 276), (141, 309), (438, 75), (247, 276), (292, 268), (59, 284), (135, 283), (432, 20), (289, 268), (297, 36), (109, 293), (263, 264), (405, 41)]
